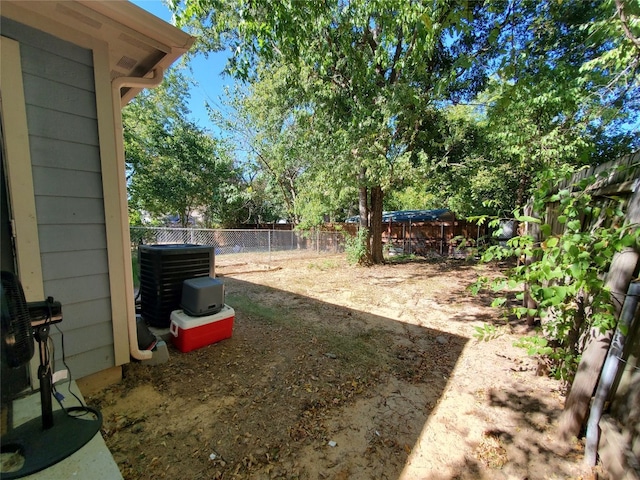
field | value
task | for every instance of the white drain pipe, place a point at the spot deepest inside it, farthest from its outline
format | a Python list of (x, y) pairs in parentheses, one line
[(609, 372), (117, 85), (137, 82)]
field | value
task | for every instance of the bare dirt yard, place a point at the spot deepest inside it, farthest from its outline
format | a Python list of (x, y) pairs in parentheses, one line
[(342, 372)]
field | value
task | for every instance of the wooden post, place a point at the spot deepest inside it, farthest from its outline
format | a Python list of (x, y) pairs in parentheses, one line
[(617, 282), (404, 239)]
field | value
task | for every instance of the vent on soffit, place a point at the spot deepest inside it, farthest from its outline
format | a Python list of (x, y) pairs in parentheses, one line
[(127, 63)]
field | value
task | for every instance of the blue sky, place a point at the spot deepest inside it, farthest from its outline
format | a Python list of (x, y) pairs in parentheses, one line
[(207, 72)]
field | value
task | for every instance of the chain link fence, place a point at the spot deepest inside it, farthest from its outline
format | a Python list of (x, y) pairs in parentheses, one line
[(235, 246)]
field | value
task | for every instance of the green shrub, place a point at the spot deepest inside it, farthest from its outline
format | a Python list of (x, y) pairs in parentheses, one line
[(566, 272), (356, 247)]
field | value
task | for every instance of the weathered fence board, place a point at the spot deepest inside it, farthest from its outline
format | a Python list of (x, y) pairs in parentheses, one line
[(616, 181)]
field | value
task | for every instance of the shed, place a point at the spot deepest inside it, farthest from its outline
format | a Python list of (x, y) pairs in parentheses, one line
[(67, 68)]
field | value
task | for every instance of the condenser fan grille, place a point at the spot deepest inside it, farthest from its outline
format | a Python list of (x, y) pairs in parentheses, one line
[(16, 324)]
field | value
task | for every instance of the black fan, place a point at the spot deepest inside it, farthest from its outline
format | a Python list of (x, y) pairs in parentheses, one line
[(40, 442), (17, 339)]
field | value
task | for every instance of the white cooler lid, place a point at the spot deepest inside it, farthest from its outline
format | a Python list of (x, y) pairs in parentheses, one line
[(184, 321)]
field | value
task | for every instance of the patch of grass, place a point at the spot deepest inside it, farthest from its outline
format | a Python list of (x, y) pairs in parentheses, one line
[(403, 258), (323, 265), (362, 349), (262, 312)]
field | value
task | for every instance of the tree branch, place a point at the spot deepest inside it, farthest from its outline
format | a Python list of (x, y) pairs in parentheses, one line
[(625, 24), (393, 77), (371, 41)]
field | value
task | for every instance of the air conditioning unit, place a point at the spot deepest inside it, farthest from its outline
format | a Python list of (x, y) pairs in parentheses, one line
[(163, 269)]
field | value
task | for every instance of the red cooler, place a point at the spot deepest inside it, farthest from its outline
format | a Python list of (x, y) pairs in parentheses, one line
[(189, 333)]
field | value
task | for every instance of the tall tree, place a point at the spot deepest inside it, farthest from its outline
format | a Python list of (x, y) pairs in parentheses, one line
[(376, 76), (564, 93), (263, 124), (174, 166), (564, 88), (369, 68), (567, 93)]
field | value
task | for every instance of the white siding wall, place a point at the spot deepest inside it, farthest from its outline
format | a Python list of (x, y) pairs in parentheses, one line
[(63, 137)]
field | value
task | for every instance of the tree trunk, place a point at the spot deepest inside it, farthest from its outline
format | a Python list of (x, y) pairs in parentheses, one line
[(363, 204), (623, 266), (376, 224), (522, 190)]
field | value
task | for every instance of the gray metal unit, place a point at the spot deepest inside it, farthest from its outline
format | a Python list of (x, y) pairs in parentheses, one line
[(59, 92), (163, 269), (202, 296)]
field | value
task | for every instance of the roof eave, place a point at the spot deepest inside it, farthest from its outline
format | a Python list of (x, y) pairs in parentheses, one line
[(140, 20), (138, 42)]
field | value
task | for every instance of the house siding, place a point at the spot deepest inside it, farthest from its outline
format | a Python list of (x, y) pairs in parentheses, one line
[(60, 101)]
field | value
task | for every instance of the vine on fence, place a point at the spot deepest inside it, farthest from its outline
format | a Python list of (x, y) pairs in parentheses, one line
[(564, 273)]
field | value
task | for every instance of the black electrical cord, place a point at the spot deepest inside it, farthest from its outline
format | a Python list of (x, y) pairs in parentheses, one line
[(83, 409)]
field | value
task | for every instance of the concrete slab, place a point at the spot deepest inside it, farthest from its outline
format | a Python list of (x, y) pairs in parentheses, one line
[(160, 354), (93, 460)]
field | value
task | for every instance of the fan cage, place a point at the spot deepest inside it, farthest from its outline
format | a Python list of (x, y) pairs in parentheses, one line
[(17, 336)]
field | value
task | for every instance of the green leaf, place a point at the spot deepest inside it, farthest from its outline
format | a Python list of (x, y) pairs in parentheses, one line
[(574, 225), (527, 218), (486, 332), (548, 293), (628, 241), (600, 245), (576, 270), (498, 302)]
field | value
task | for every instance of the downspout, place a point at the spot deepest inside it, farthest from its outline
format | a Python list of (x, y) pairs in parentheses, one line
[(117, 85), (610, 372), (137, 82)]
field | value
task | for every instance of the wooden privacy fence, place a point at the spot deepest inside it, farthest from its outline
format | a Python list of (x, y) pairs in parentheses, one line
[(617, 184)]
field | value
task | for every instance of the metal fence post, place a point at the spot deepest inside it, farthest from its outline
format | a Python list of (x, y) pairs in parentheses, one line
[(269, 245)]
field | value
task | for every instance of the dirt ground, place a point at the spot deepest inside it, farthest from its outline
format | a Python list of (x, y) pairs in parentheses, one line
[(342, 372)]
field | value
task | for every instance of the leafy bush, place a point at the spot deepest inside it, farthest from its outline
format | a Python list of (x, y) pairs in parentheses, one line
[(565, 273), (356, 247)]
